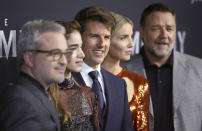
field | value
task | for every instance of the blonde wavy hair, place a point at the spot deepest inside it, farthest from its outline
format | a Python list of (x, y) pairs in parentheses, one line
[(120, 20)]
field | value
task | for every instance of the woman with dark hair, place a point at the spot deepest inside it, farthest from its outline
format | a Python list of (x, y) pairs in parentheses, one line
[(76, 104)]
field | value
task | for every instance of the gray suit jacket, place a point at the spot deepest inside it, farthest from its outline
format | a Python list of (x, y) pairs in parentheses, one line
[(24, 106), (187, 90)]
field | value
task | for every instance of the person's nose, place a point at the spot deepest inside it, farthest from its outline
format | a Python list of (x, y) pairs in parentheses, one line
[(130, 43), (101, 42), (163, 33), (63, 60), (81, 54)]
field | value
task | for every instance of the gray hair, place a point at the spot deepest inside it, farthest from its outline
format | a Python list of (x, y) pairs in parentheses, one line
[(29, 36)]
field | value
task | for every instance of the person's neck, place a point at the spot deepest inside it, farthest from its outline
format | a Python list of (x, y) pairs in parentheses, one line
[(68, 75), (93, 66), (112, 65), (156, 60)]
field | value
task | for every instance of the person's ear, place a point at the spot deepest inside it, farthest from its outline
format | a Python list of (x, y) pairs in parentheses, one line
[(28, 58)]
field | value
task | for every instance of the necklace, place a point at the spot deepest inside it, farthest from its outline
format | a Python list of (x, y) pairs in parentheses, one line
[(67, 84)]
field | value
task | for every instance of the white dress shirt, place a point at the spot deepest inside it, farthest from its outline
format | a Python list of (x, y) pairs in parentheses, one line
[(88, 80)]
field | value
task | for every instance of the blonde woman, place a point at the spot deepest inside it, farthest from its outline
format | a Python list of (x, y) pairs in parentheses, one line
[(137, 86)]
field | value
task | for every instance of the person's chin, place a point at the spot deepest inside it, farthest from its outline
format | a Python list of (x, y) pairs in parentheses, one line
[(77, 69), (126, 59), (60, 79), (99, 60)]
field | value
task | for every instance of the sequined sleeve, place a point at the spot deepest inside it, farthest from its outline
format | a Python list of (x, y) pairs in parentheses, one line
[(139, 105)]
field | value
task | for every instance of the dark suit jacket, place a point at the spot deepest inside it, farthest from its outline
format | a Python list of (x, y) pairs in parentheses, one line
[(118, 116), (24, 106)]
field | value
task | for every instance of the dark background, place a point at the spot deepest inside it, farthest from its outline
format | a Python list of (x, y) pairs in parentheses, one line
[(17, 12)]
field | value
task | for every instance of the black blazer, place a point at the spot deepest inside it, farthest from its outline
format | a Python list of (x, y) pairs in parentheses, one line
[(118, 116), (24, 106)]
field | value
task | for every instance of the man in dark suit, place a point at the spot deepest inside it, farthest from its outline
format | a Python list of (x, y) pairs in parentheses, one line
[(114, 114), (25, 105)]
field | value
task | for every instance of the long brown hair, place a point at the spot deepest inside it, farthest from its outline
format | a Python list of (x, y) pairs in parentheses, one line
[(53, 90)]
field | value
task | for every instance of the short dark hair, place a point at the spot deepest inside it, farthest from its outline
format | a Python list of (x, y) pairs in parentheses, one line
[(94, 13), (154, 8)]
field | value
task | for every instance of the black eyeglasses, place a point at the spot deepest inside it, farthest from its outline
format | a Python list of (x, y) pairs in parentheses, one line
[(56, 54)]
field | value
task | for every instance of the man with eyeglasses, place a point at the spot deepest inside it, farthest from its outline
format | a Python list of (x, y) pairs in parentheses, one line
[(42, 53)]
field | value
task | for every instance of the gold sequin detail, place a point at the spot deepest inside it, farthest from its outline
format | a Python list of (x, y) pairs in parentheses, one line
[(139, 105)]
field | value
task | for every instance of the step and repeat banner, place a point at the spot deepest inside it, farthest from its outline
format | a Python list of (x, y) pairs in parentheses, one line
[(13, 14)]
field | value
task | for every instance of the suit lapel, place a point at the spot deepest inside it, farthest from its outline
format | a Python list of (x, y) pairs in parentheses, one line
[(138, 65), (180, 70), (49, 106), (78, 78), (39, 94), (108, 94)]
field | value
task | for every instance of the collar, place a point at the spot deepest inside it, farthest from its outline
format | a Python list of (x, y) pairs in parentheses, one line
[(33, 81), (67, 84), (86, 69)]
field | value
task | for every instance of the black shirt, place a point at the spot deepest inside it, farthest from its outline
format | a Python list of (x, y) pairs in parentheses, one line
[(160, 82)]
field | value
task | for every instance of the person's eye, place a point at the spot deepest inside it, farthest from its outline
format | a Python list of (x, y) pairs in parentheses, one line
[(107, 37), (94, 36), (55, 52), (124, 37), (132, 38), (73, 47), (156, 28), (169, 29)]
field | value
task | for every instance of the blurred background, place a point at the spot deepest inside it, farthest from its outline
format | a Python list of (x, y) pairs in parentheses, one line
[(13, 14)]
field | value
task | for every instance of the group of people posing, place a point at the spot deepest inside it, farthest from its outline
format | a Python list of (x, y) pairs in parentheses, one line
[(78, 76)]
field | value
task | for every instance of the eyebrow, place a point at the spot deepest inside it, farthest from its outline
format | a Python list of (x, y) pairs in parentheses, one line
[(172, 26), (158, 25), (72, 46), (93, 34), (124, 34)]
